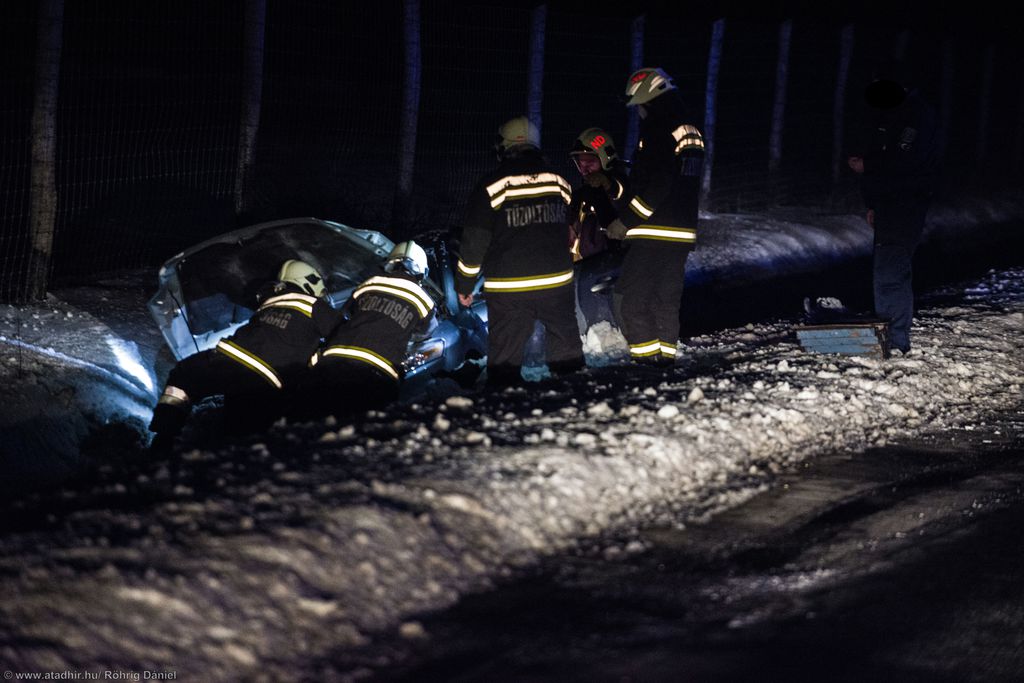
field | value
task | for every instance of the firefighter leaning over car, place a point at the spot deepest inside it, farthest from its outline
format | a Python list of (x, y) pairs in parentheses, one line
[(513, 235), (605, 179), (658, 219), (252, 367), (360, 364)]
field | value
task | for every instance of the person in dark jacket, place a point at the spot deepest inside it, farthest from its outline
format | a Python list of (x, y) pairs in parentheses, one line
[(605, 178), (251, 367), (658, 218), (513, 235), (360, 364), (898, 165)]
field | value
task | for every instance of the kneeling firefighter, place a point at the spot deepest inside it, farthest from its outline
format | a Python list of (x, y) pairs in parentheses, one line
[(360, 366), (252, 367)]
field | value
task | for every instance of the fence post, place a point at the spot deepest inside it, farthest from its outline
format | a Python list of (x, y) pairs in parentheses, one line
[(252, 95), (945, 95), (412, 80), (779, 106), (1017, 160), (49, 37), (899, 48), (711, 105), (839, 102), (636, 58), (535, 89), (984, 106)]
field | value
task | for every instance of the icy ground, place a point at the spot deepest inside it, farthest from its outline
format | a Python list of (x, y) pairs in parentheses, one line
[(257, 558)]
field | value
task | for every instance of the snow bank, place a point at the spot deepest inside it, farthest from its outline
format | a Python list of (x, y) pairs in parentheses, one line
[(267, 555), (70, 366)]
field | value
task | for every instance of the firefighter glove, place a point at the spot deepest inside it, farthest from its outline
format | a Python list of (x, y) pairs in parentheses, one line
[(616, 230)]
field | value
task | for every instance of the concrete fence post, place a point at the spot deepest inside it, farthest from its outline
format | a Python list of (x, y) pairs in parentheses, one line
[(252, 97), (636, 62), (779, 106), (409, 125), (49, 40), (711, 105), (535, 89)]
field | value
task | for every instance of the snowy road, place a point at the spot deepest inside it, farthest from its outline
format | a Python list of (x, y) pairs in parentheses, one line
[(250, 559), (901, 563)]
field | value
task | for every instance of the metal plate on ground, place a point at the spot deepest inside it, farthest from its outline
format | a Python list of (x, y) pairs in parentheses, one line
[(855, 339)]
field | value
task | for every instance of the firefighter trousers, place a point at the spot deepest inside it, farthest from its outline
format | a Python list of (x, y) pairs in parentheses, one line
[(250, 402), (648, 295), (511, 317), (340, 386)]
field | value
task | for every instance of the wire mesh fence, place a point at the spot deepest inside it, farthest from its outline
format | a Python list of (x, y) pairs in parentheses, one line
[(151, 112)]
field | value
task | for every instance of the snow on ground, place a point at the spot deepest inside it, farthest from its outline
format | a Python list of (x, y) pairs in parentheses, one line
[(259, 557)]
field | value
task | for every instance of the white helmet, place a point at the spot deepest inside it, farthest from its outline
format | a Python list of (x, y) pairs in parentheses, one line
[(409, 257), (303, 276), (517, 132)]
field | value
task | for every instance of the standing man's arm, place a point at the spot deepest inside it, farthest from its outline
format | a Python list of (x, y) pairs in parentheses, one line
[(476, 238)]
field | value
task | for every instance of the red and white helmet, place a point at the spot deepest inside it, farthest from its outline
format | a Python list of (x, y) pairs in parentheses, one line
[(646, 84)]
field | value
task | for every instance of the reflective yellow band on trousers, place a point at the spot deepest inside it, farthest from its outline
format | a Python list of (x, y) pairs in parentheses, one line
[(660, 232), (365, 355), (645, 349), (254, 363), (528, 284)]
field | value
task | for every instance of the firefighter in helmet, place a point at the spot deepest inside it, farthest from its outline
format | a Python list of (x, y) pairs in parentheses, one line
[(251, 367), (360, 365), (658, 219), (605, 178), (513, 235)]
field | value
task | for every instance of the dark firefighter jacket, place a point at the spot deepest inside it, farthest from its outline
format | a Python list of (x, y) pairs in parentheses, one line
[(662, 200), (514, 230), (383, 315), (282, 334), (591, 207)]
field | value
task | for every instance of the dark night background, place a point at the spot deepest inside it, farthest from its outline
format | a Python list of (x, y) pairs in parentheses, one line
[(149, 109)]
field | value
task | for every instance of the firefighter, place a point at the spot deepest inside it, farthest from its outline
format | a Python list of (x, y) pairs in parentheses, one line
[(605, 177), (360, 365), (513, 235), (658, 218), (898, 165), (252, 366)]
